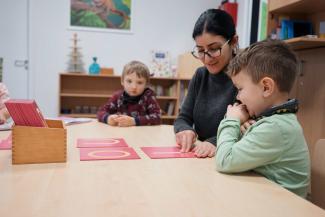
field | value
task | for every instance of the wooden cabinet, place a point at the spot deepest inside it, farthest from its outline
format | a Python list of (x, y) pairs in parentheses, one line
[(310, 85), (81, 95)]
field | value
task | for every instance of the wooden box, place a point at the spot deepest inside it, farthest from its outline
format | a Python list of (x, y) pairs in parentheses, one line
[(39, 144), (107, 71), (187, 65)]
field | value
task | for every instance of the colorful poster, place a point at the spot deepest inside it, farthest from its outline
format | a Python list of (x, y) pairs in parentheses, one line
[(101, 14)]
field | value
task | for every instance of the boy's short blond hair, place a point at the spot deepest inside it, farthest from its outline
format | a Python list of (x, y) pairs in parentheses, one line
[(137, 67), (268, 58)]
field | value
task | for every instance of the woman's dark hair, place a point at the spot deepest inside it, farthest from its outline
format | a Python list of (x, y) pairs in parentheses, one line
[(215, 21)]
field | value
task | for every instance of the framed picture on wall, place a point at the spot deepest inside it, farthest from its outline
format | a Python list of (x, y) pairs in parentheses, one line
[(101, 15)]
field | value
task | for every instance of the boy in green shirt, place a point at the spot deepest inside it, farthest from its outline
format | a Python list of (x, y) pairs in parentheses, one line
[(274, 146)]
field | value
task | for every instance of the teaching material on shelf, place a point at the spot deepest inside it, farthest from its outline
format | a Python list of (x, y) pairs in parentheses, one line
[(322, 29), (160, 64), (25, 113), (166, 152), (106, 71), (117, 153), (170, 108), (101, 143), (75, 63)]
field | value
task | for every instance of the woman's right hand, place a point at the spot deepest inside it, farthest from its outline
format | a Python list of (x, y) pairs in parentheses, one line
[(185, 139)]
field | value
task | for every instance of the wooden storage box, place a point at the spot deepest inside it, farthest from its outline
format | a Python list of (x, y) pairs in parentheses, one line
[(39, 144), (187, 65)]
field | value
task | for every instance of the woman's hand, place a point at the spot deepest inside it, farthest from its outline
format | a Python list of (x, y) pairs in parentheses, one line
[(185, 139), (246, 125), (204, 149)]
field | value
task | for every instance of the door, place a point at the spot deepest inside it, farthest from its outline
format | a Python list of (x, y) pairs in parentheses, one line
[(14, 47)]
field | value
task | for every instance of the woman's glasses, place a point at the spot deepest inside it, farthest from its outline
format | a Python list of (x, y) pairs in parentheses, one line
[(211, 52)]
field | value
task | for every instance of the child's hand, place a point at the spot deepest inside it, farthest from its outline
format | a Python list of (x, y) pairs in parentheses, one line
[(237, 111), (112, 120), (246, 125), (125, 121)]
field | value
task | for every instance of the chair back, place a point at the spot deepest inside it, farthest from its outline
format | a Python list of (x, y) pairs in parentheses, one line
[(318, 174)]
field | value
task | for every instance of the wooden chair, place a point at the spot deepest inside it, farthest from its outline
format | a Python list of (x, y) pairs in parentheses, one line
[(318, 174)]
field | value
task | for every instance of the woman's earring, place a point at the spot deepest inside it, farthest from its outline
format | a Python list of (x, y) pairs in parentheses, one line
[(235, 50)]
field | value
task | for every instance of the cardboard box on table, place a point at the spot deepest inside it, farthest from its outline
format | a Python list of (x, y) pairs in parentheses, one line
[(39, 144)]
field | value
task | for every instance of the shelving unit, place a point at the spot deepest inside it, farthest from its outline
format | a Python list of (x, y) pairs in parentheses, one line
[(81, 95), (309, 88)]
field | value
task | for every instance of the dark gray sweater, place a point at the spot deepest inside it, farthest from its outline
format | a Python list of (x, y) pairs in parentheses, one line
[(205, 104)]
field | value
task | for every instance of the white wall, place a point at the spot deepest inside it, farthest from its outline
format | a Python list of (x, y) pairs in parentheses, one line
[(165, 25)]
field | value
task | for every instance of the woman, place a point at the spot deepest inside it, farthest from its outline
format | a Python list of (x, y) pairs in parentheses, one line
[(210, 90)]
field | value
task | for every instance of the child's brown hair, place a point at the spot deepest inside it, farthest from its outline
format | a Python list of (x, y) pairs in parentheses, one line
[(137, 67), (268, 58)]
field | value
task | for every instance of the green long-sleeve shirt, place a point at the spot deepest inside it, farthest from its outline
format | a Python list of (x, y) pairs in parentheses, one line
[(274, 147)]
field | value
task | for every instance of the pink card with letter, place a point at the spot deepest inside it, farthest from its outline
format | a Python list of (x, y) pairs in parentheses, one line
[(166, 152), (5, 144), (101, 143), (117, 153)]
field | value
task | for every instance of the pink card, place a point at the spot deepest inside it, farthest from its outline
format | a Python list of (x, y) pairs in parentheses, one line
[(166, 152), (118, 153), (101, 143), (5, 144)]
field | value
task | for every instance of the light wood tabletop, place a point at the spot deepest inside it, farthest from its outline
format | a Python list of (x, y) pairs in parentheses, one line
[(143, 187)]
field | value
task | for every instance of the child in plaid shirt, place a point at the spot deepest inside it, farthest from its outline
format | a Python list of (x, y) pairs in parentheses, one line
[(136, 105)]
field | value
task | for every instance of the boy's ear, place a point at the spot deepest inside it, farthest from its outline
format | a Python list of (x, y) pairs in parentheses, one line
[(268, 86)]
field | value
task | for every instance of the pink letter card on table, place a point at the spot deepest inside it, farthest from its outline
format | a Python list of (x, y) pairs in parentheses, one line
[(118, 153), (101, 143), (166, 152)]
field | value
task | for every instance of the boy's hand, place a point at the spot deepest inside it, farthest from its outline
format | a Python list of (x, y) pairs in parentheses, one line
[(112, 120), (185, 139), (246, 125), (125, 121), (204, 149), (237, 111)]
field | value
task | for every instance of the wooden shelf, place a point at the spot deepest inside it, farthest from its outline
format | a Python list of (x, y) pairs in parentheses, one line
[(76, 74), (309, 85), (86, 95), (296, 6), (305, 43), (93, 95)]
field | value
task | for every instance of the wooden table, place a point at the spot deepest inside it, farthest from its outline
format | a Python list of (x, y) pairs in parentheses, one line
[(145, 187)]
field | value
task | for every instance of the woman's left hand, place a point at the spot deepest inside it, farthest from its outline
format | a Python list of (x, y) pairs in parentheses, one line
[(204, 149)]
